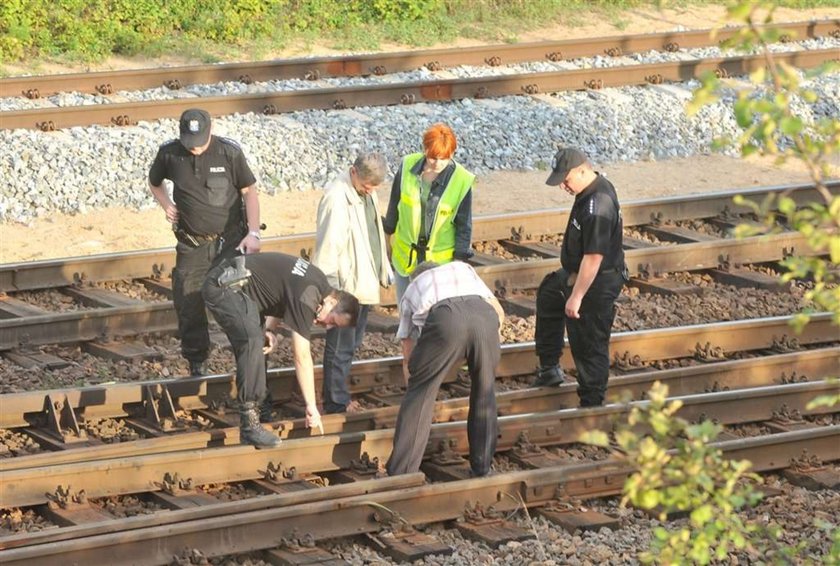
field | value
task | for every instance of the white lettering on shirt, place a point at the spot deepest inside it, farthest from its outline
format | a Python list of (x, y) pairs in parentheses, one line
[(217, 169), (575, 223), (301, 265)]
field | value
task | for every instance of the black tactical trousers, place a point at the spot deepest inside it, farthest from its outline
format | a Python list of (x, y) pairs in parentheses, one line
[(239, 317), (456, 328), (589, 335), (191, 266)]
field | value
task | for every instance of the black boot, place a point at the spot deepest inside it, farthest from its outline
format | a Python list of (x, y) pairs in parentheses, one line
[(548, 376), (250, 429), (267, 409)]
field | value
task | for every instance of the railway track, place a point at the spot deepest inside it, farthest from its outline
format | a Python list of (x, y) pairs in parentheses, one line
[(102, 314), (309, 68), (127, 406), (272, 482), (182, 463), (129, 113)]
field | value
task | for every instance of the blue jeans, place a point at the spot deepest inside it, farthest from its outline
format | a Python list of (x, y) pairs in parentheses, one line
[(340, 346), (401, 284)]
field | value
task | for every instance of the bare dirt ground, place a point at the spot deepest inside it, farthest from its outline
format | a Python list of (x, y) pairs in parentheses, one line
[(118, 229), (114, 230)]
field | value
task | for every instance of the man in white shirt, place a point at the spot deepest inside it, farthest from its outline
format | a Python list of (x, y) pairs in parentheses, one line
[(447, 314), (350, 250)]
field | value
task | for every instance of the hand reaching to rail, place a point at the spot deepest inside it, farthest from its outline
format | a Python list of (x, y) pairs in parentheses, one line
[(270, 342), (313, 418)]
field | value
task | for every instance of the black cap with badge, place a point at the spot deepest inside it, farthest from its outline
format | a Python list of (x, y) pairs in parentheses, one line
[(564, 161), (194, 128)]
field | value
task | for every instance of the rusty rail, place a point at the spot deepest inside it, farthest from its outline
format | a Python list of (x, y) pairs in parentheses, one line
[(722, 376), (127, 113), (378, 63), (258, 525), (33, 275), (320, 454), (82, 325), (25, 409)]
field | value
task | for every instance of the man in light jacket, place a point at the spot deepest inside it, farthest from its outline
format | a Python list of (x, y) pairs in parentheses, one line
[(350, 250)]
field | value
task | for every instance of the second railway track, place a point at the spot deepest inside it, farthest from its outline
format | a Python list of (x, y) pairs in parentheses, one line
[(118, 112)]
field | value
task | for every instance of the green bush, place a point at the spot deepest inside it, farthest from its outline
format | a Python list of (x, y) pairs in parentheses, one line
[(89, 30)]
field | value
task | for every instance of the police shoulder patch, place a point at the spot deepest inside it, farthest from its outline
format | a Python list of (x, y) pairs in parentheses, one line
[(229, 141)]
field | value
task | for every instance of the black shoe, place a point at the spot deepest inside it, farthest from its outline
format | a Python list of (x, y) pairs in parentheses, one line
[(267, 409), (251, 431), (197, 369), (549, 376)]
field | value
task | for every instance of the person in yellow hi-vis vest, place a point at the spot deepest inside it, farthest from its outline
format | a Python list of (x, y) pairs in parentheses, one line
[(430, 210)]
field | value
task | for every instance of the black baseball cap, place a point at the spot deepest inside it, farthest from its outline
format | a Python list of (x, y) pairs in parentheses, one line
[(194, 128), (564, 161)]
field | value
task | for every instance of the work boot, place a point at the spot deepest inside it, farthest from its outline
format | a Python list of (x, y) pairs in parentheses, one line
[(198, 368), (267, 409), (250, 429), (548, 376)]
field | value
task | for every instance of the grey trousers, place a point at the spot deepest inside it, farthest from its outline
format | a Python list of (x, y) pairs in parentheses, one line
[(456, 328)]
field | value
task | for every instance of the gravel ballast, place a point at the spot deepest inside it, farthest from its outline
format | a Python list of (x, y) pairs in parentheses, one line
[(84, 168)]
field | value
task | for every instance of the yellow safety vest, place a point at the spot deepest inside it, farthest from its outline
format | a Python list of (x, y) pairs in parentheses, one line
[(441, 245)]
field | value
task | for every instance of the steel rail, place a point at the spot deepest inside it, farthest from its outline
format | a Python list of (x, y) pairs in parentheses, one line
[(126, 113), (33, 275), (731, 375), (319, 454), (90, 324), (25, 409), (330, 492), (156, 539), (380, 63)]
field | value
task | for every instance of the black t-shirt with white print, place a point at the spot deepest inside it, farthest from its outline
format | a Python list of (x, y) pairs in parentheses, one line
[(286, 287)]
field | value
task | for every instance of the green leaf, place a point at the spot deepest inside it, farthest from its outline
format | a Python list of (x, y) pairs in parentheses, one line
[(834, 249), (748, 150), (791, 125), (648, 499), (596, 438), (701, 515), (743, 112), (787, 206)]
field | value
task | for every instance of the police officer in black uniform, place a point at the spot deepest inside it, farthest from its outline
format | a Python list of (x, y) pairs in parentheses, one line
[(212, 182), (581, 296)]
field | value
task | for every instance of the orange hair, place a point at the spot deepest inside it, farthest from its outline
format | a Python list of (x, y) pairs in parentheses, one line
[(439, 141)]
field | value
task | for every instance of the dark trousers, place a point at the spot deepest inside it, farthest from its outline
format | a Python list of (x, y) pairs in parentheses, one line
[(239, 317), (191, 266), (339, 348), (589, 335), (457, 328)]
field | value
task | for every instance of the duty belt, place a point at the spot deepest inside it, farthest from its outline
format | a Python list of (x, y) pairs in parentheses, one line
[(194, 240)]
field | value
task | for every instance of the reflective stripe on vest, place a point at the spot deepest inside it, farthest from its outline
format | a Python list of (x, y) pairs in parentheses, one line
[(441, 245)]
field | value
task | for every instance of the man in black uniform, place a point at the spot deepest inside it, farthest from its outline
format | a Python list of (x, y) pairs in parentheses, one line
[(248, 296), (211, 182), (581, 296)]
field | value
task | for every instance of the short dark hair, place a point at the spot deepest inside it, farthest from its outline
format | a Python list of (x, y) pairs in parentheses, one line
[(346, 304), (422, 268), (371, 168)]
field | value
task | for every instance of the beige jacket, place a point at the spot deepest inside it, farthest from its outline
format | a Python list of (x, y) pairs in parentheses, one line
[(342, 247)]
